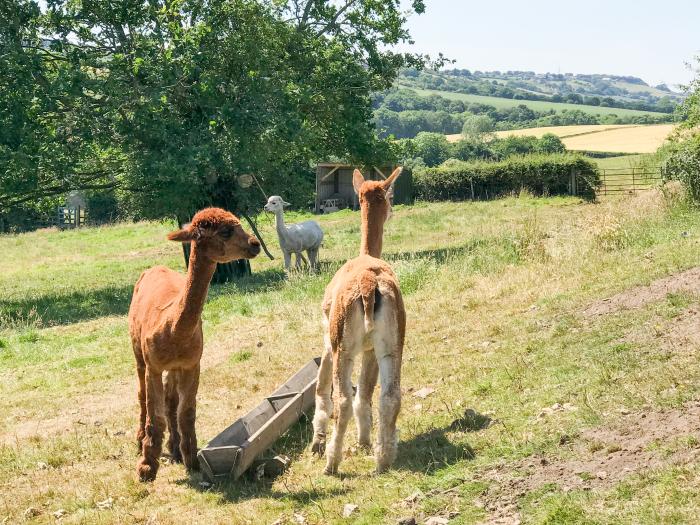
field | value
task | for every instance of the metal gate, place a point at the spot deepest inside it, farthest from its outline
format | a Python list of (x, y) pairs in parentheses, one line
[(616, 181)]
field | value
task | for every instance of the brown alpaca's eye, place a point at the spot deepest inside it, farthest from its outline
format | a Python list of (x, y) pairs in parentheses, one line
[(226, 234)]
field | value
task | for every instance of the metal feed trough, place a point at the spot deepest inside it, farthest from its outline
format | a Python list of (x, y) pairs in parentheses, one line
[(234, 450)]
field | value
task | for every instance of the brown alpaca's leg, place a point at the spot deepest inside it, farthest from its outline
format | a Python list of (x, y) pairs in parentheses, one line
[(147, 467), (363, 398), (342, 395), (141, 373), (171, 403), (324, 404), (188, 384)]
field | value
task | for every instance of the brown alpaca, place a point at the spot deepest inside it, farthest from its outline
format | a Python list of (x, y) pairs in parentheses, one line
[(363, 314), (165, 326)]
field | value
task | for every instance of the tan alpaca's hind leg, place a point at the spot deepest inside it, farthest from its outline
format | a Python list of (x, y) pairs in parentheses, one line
[(342, 397), (171, 403), (343, 362), (363, 397), (188, 384), (147, 467), (388, 352), (324, 404)]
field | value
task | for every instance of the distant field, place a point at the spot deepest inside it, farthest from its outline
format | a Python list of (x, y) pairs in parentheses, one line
[(502, 103), (623, 161), (635, 139), (559, 131), (605, 138)]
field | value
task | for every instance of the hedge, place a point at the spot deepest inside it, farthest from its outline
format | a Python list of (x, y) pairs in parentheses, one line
[(539, 174)]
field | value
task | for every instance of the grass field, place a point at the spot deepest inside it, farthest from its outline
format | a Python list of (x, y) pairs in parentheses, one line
[(620, 162), (538, 105), (538, 380)]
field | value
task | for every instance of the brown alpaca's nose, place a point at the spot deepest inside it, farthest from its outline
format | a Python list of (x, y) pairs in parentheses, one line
[(254, 245)]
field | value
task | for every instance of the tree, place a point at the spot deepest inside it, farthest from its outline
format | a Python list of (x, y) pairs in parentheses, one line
[(167, 103), (689, 110), (477, 127), (433, 148), (550, 143)]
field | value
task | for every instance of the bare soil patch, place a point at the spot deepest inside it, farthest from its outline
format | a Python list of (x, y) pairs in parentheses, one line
[(601, 458), (640, 296)]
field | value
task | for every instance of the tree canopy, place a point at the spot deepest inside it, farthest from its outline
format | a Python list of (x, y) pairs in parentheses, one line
[(167, 102)]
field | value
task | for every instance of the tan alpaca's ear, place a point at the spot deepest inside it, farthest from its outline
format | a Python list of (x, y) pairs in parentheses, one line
[(389, 182), (357, 180), (183, 235)]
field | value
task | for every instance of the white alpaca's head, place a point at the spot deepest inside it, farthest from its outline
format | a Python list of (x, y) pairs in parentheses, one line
[(275, 203)]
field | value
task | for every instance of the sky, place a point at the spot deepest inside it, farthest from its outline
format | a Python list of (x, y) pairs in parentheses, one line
[(649, 39)]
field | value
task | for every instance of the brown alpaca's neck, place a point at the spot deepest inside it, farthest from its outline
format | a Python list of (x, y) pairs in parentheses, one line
[(372, 231), (199, 273)]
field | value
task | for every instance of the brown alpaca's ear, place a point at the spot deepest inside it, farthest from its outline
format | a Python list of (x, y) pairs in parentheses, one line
[(357, 180), (389, 182), (184, 235)]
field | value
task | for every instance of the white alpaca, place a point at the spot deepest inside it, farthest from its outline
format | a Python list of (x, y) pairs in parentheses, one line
[(295, 238)]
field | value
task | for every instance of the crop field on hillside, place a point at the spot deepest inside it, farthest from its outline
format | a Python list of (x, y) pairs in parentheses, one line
[(545, 329), (635, 139), (537, 105), (605, 138)]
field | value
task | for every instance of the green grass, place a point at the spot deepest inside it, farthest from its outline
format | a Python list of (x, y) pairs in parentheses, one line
[(537, 105), (494, 293), (620, 162)]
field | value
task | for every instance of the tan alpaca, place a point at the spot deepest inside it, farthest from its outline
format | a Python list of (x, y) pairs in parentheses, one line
[(165, 326), (363, 315)]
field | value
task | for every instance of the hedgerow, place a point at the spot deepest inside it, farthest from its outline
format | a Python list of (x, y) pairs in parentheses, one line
[(538, 174)]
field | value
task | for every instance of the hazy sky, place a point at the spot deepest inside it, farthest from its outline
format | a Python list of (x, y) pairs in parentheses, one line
[(648, 39)]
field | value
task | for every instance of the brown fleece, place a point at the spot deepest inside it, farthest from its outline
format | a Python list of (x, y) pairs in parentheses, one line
[(165, 327)]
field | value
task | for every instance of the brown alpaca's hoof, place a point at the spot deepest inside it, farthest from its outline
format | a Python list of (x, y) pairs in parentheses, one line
[(147, 472)]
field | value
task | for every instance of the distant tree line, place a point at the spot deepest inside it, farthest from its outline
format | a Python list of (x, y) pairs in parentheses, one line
[(505, 86), (403, 113), (433, 149)]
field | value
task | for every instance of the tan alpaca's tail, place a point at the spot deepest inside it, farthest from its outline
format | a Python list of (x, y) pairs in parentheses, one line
[(368, 291)]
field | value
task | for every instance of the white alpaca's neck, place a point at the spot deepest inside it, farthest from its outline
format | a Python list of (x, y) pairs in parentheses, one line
[(279, 224)]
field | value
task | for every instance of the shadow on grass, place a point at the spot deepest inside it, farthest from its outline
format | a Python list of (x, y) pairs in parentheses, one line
[(65, 308), (431, 451), (441, 256)]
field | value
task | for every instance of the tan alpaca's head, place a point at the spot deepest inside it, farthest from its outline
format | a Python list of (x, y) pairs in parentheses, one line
[(376, 195), (219, 236)]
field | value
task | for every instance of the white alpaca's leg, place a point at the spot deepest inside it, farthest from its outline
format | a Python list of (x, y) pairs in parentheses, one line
[(388, 353), (313, 258), (298, 260), (363, 398), (287, 259)]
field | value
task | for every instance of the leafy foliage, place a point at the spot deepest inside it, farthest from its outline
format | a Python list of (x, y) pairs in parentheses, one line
[(167, 103), (538, 174)]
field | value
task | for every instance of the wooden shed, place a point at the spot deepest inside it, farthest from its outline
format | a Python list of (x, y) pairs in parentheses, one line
[(334, 189)]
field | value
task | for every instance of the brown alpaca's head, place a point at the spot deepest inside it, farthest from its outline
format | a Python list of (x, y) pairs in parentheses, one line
[(219, 236), (375, 195)]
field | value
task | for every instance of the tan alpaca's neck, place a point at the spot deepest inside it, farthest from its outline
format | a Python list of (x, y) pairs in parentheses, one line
[(372, 231), (189, 311)]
